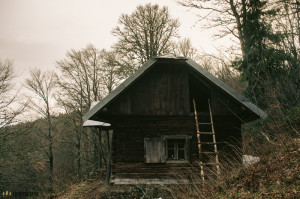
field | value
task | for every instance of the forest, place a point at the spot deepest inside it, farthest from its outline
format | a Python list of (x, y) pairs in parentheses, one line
[(52, 150)]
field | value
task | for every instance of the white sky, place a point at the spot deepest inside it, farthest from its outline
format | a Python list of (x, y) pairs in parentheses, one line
[(37, 33)]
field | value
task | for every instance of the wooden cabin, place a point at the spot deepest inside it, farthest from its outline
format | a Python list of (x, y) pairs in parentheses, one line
[(153, 120)]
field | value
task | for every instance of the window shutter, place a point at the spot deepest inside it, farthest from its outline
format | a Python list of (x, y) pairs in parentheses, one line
[(154, 150)]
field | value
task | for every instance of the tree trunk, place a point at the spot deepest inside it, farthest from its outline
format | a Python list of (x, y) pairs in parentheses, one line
[(78, 158)]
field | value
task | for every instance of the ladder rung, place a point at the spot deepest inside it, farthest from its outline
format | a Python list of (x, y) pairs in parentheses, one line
[(209, 152), (206, 133), (210, 163), (205, 123), (208, 143)]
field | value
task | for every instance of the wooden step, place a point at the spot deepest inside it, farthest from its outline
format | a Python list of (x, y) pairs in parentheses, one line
[(206, 133), (207, 143), (209, 163), (205, 123), (209, 152)]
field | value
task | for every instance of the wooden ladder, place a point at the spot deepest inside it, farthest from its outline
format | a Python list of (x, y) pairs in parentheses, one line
[(216, 163)]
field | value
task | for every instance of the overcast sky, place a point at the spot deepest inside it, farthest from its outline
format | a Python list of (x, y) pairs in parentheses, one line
[(37, 33)]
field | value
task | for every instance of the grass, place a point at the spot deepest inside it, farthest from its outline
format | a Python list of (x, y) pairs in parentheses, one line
[(277, 175), (97, 189)]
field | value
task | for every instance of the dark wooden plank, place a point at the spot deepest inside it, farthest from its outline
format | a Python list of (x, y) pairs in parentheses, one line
[(162, 91)]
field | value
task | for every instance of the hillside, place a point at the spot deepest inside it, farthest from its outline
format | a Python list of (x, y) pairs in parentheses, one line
[(277, 175)]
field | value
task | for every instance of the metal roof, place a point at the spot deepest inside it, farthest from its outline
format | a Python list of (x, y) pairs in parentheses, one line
[(196, 67)]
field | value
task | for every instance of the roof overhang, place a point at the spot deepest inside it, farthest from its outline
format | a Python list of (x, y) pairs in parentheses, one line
[(93, 123)]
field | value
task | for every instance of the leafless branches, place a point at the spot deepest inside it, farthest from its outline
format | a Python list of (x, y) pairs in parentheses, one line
[(79, 82), (110, 77), (146, 33), (9, 110), (86, 75), (221, 14), (42, 85), (185, 48)]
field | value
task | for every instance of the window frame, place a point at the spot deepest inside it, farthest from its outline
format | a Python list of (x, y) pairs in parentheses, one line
[(173, 145), (186, 147)]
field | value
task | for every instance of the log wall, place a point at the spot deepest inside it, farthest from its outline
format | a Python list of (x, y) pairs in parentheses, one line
[(128, 143)]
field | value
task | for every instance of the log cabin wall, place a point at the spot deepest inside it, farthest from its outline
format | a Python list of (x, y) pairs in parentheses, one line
[(128, 144)]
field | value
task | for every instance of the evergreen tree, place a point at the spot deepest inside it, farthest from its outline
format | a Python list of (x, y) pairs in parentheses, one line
[(262, 65)]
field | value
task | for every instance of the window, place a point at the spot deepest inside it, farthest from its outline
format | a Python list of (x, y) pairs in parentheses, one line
[(176, 149), (167, 149)]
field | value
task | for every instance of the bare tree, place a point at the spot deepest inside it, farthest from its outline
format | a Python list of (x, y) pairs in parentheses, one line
[(227, 16), (110, 70), (288, 24), (6, 77), (9, 110), (185, 48), (79, 80), (220, 65), (146, 33), (80, 84), (42, 85)]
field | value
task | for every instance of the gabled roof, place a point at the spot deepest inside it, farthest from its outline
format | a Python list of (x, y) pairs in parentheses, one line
[(194, 66)]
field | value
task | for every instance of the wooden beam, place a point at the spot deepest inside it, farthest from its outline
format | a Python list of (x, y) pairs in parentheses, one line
[(108, 169)]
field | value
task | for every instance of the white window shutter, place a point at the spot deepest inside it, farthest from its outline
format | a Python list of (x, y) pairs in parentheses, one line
[(154, 150)]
